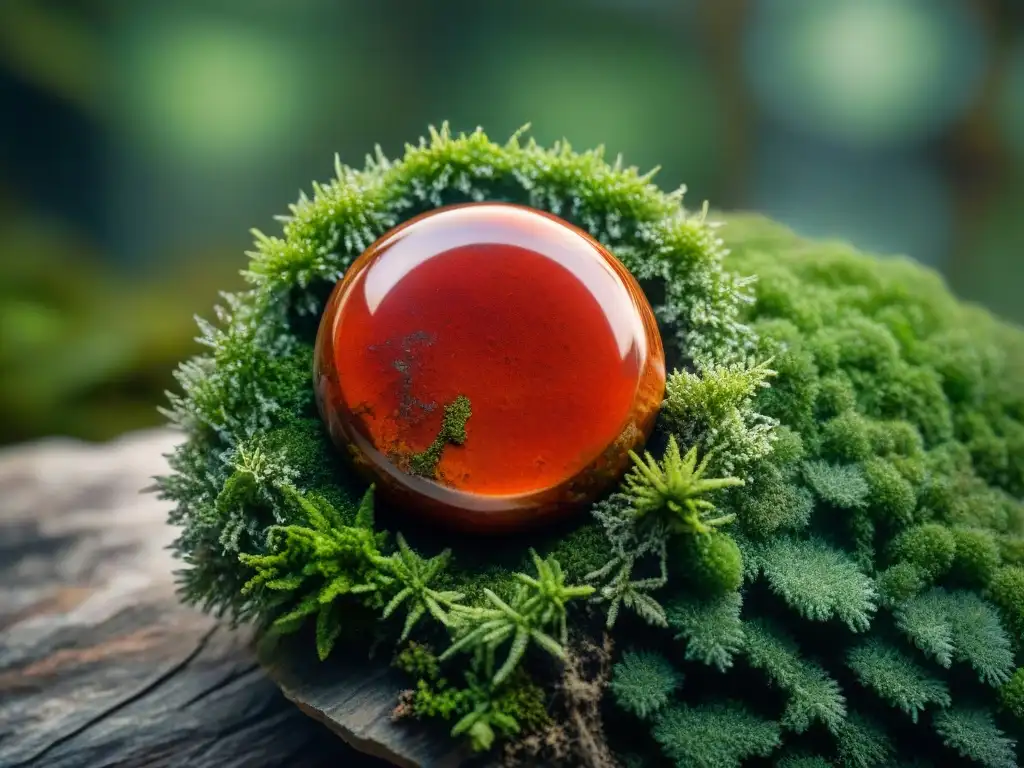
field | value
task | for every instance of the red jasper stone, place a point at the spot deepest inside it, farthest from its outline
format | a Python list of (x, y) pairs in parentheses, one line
[(489, 365)]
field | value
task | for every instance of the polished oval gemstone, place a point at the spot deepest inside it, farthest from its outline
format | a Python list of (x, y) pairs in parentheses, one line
[(489, 365)]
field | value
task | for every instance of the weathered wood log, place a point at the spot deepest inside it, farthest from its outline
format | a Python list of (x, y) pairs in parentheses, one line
[(354, 697), (100, 665)]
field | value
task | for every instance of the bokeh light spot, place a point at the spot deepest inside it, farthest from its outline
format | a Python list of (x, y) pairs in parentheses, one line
[(865, 72), (220, 92)]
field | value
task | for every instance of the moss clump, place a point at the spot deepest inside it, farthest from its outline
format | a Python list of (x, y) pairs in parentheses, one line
[(718, 564), (930, 548), (819, 563), (899, 583), (453, 430), (977, 555), (418, 661), (1007, 591), (1013, 695)]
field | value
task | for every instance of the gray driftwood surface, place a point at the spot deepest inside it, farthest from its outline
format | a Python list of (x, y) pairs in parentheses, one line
[(100, 665), (355, 698)]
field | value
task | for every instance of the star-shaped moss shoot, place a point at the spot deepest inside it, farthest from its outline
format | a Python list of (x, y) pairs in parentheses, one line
[(413, 576), (674, 489), (538, 608)]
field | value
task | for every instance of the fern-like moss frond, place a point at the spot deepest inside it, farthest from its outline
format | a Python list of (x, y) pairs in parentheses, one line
[(958, 626), (897, 678), (312, 564), (816, 580), (413, 576), (711, 627), (863, 743), (842, 485), (643, 681), (718, 735), (974, 736), (813, 696)]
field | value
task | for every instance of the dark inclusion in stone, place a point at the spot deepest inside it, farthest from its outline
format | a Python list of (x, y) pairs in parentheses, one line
[(489, 366)]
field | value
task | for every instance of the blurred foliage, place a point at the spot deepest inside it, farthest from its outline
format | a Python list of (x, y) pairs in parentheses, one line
[(85, 351), (140, 139)]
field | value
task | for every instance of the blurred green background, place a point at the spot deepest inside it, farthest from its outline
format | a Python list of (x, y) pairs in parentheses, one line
[(140, 140)]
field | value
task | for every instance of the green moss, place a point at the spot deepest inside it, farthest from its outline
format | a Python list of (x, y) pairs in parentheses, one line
[(948, 460), (894, 424), (930, 548), (977, 555), (914, 471), (771, 501), (840, 485), (1012, 549), (835, 395), (438, 699), (306, 448), (788, 448), (581, 551), (1013, 695), (896, 438), (899, 583), (525, 702), (721, 733), (847, 438), (418, 661), (643, 683), (892, 498), (1007, 591), (517, 707), (856, 344), (914, 394), (958, 361), (794, 390), (717, 563), (453, 431)]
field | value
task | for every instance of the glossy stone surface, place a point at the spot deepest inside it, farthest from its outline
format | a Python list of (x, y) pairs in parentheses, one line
[(489, 365)]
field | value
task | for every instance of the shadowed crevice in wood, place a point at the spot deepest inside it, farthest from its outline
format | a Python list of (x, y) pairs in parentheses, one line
[(225, 684), (146, 690)]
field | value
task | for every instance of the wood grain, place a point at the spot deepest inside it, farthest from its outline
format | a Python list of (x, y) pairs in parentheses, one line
[(354, 696), (100, 665)]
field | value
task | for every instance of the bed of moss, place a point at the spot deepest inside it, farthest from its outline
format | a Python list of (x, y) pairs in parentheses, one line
[(819, 561)]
